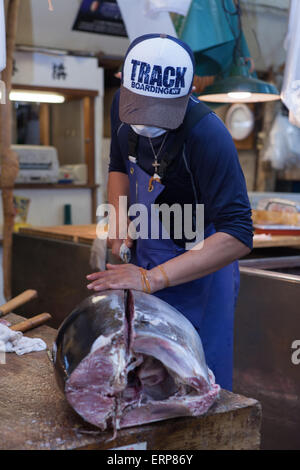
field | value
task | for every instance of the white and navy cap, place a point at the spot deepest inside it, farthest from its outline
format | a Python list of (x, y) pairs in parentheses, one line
[(157, 80)]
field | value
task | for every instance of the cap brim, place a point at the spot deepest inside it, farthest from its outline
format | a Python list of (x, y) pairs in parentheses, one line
[(167, 113)]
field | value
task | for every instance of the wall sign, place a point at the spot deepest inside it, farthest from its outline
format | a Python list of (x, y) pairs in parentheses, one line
[(101, 17), (48, 70)]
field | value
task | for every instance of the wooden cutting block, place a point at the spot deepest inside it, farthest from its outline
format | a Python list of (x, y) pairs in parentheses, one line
[(34, 415), (62, 232)]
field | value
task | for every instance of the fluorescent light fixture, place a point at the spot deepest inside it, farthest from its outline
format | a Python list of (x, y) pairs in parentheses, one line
[(239, 95), (239, 87), (36, 96)]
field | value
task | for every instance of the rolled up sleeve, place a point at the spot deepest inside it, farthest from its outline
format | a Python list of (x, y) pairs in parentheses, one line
[(220, 179)]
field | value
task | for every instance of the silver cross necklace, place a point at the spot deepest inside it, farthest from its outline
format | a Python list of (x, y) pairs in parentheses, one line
[(156, 155)]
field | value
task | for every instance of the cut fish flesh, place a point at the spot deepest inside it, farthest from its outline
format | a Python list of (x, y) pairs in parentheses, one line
[(126, 358)]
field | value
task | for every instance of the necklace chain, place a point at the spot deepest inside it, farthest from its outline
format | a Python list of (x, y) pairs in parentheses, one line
[(156, 155)]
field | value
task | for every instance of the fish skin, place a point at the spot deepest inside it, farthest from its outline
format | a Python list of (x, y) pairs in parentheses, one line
[(98, 315)]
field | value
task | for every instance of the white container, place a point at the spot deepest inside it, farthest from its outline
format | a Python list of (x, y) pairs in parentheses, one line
[(37, 164), (76, 173)]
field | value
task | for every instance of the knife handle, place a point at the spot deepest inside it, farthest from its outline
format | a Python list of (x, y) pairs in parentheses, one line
[(17, 301), (31, 323)]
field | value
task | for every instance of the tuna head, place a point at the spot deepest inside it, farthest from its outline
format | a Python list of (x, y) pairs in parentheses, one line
[(124, 358)]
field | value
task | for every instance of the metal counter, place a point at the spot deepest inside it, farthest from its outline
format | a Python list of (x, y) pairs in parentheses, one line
[(267, 322)]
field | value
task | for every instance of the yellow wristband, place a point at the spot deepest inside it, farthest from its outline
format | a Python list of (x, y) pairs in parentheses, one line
[(162, 270), (145, 281), (142, 279)]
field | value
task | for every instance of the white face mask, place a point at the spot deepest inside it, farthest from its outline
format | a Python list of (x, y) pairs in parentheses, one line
[(148, 131)]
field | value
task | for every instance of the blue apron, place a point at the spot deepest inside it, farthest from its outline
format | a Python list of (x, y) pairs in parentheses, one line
[(207, 302)]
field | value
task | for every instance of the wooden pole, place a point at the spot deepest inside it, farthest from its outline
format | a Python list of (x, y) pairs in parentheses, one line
[(9, 160)]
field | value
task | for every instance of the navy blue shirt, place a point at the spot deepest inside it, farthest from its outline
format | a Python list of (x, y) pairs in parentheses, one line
[(211, 158)]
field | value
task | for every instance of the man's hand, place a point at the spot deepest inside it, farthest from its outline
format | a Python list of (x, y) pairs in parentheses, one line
[(218, 250), (124, 276), (117, 276)]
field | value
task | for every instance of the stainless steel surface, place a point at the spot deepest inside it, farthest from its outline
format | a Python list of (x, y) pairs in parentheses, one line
[(267, 322), (277, 262), (270, 274)]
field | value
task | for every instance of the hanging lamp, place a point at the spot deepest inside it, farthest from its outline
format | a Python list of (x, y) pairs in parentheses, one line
[(239, 86)]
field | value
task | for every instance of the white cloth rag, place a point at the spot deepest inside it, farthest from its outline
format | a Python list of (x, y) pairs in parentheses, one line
[(14, 341)]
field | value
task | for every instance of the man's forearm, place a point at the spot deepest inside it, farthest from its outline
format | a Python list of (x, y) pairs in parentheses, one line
[(118, 185), (217, 251)]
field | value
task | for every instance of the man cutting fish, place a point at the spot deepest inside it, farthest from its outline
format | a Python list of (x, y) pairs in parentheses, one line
[(169, 148)]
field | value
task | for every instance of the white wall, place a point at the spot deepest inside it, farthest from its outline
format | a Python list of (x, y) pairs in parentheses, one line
[(46, 205), (40, 27)]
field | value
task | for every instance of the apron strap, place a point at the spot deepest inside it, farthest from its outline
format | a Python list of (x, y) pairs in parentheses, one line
[(194, 115), (133, 140)]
